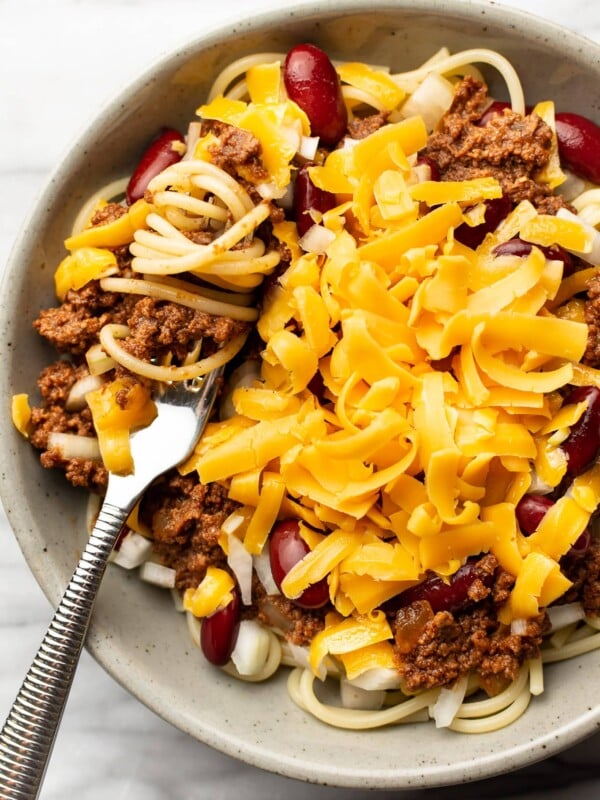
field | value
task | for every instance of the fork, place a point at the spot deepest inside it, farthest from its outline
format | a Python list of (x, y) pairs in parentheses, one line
[(30, 729)]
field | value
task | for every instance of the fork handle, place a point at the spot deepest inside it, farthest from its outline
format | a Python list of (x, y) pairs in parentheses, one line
[(30, 729)]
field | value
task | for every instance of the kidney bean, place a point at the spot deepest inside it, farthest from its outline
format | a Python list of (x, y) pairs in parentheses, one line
[(309, 197), (312, 82), (530, 511), (440, 595), (218, 633), (286, 548), (518, 247), (495, 212), (583, 442), (159, 155), (496, 109), (579, 144)]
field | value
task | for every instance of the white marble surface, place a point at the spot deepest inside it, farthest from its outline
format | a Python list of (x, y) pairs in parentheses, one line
[(58, 59)]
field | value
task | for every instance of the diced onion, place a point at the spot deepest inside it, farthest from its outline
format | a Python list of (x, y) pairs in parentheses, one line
[(571, 187), (449, 701), (308, 147), (251, 648), (377, 679), (419, 174), (352, 696), (299, 654), (593, 257), (563, 615), (72, 445), (316, 239), (158, 574), (518, 627), (240, 562), (262, 567), (133, 551), (270, 191), (97, 360), (430, 100), (539, 486), (76, 398), (193, 134)]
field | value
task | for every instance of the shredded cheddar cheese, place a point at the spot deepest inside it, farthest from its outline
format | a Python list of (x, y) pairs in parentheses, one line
[(398, 467)]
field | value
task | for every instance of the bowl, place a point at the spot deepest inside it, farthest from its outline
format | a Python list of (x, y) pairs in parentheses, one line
[(135, 634)]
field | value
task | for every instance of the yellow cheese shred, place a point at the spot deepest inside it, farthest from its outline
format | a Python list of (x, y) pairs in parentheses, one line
[(410, 386)]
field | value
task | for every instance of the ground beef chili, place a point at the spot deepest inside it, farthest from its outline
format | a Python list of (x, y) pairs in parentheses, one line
[(71, 328), (436, 649), (510, 147)]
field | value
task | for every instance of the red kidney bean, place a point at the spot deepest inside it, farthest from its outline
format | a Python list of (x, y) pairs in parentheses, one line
[(429, 162), (495, 212), (218, 633), (496, 109), (517, 247), (309, 197), (530, 511), (312, 82), (159, 155), (440, 595), (579, 144), (286, 548), (583, 442)]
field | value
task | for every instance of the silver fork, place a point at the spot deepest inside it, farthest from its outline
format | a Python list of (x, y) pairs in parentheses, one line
[(30, 729)]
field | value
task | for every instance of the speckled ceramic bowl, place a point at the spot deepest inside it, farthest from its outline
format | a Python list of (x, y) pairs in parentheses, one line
[(135, 633)]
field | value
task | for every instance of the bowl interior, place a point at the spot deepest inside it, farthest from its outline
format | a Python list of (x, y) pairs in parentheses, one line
[(136, 635)]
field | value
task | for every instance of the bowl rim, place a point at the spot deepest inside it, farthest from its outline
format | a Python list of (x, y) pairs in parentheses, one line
[(20, 519)]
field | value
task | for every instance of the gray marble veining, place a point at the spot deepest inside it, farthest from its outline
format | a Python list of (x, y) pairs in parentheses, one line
[(58, 60)]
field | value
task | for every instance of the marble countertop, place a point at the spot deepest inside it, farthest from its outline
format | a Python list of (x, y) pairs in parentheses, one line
[(58, 59)]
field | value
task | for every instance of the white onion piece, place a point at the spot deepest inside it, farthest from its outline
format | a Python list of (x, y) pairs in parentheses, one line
[(571, 187), (353, 697), (133, 551), (448, 702), (316, 239), (262, 567), (377, 679), (72, 445), (251, 648), (300, 655), (518, 627), (158, 574), (419, 174), (192, 136), (308, 147), (593, 257), (430, 100), (233, 522), (286, 201), (539, 486), (240, 562), (76, 398), (563, 615), (270, 191), (97, 360)]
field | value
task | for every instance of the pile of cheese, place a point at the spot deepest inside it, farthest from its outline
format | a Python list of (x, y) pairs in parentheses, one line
[(409, 391)]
